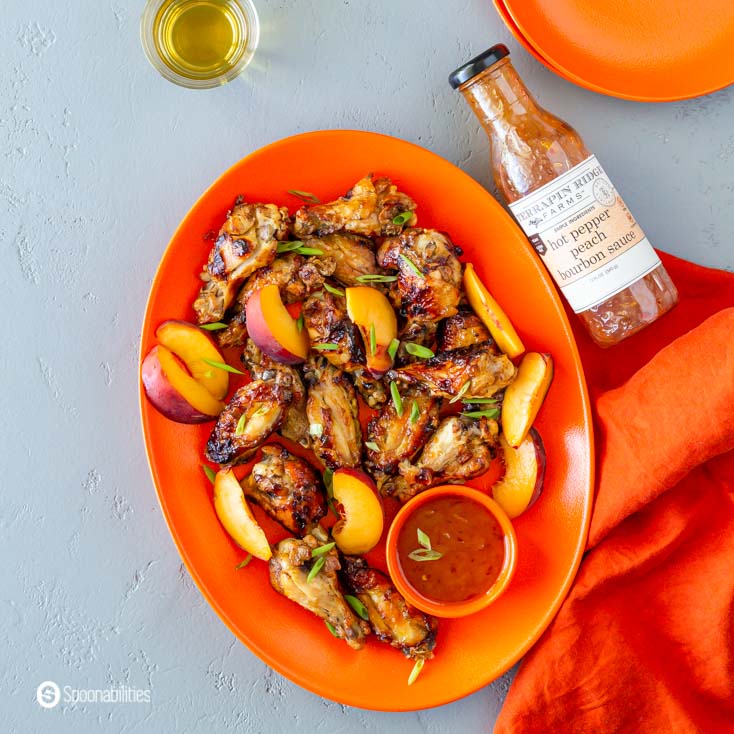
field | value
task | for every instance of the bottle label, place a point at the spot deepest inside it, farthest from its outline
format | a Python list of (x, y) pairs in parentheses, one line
[(586, 236)]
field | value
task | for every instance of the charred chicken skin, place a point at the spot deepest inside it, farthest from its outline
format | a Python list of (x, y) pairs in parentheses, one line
[(289, 569), (296, 277), (475, 371), (461, 448), (257, 409), (262, 367), (368, 208), (332, 410), (392, 619), (353, 255), (429, 273), (464, 329), (247, 241), (287, 488)]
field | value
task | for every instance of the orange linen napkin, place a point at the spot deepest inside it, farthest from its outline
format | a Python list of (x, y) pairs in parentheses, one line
[(644, 643)]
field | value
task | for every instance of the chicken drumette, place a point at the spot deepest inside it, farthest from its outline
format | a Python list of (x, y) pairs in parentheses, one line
[(369, 208), (248, 240), (429, 273), (290, 566), (253, 413), (288, 489), (332, 410), (262, 367), (461, 448), (392, 619), (464, 329)]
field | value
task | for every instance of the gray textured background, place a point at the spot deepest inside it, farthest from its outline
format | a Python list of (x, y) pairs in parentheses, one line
[(100, 160)]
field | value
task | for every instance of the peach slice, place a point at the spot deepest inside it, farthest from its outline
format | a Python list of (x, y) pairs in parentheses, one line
[(236, 516), (273, 329), (491, 313), (525, 395), (359, 527), (522, 482), (174, 392), (193, 346), (375, 318)]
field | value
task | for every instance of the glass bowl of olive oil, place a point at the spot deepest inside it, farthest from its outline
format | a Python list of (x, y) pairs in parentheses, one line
[(199, 44)]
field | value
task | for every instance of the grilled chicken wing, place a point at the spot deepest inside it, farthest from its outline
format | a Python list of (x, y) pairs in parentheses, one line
[(353, 255), (392, 619), (399, 437), (461, 448), (325, 318), (262, 367), (248, 240), (296, 277), (287, 488), (464, 329), (446, 375), (289, 569), (263, 405), (370, 388), (332, 410), (368, 208), (415, 332), (429, 273)]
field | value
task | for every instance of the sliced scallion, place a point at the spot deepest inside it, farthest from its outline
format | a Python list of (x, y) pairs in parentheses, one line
[(411, 265), (214, 327), (493, 413), (317, 566), (326, 347), (402, 218), (244, 563), (418, 350), (415, 412), (373, 340), (305, 196), (371, 445), (335, 291), (416, 671), (210, 473), (322, 549), (357, 605), (396, 399), (462, 391), (376, 278), (222, 366)]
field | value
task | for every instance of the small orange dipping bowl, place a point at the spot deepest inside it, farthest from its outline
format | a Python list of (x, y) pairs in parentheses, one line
[(474, 539)]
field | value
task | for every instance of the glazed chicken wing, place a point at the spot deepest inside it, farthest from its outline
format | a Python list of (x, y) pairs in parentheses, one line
[(262, 367), (289, 568), (392, 619), (474, 371), (352, 254), (461, 448), (463, 329), (332, 410), (296, 277), (368, 208), (429, 273), (248, 240), (400, 437), (257, 409), (287, 488)]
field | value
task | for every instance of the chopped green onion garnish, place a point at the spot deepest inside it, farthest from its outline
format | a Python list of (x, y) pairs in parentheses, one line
[(423, 539), (299, 323), (288, 246), (371, 445), (326, 347), (416, 670), (317, 566), (392, 350), (423, 554), (462, 391), (328, 476), (417, 350), (305, 196), (376, 278), (241, 423), (411, 265), (373, 340), (322, 549), (494, 413), (415, 412), (402, 218), (397, 400), (308, 251), (331, 628), (316, 429), (357, 605), (481, 401), (222, 366), (213, 327), (335, 291), (210, 473), (242, 564)]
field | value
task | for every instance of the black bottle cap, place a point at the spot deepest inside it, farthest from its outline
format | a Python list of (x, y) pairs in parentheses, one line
[(478, 64)]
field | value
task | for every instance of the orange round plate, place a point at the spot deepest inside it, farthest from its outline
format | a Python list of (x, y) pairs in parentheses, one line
[(634, 49), (551, 535)]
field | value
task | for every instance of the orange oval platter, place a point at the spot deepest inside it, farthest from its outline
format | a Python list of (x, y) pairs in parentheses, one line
[(470, 652)]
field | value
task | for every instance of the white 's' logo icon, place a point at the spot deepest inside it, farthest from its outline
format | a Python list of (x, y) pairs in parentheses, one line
[(48, 694)]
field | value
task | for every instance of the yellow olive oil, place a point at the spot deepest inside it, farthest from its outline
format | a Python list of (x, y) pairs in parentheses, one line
[(200, 39)]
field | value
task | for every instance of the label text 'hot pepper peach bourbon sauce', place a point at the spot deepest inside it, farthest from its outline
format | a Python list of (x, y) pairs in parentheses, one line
[(569, 209)]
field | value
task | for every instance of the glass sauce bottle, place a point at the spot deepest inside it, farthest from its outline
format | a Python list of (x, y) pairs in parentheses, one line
[(565, 203)]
